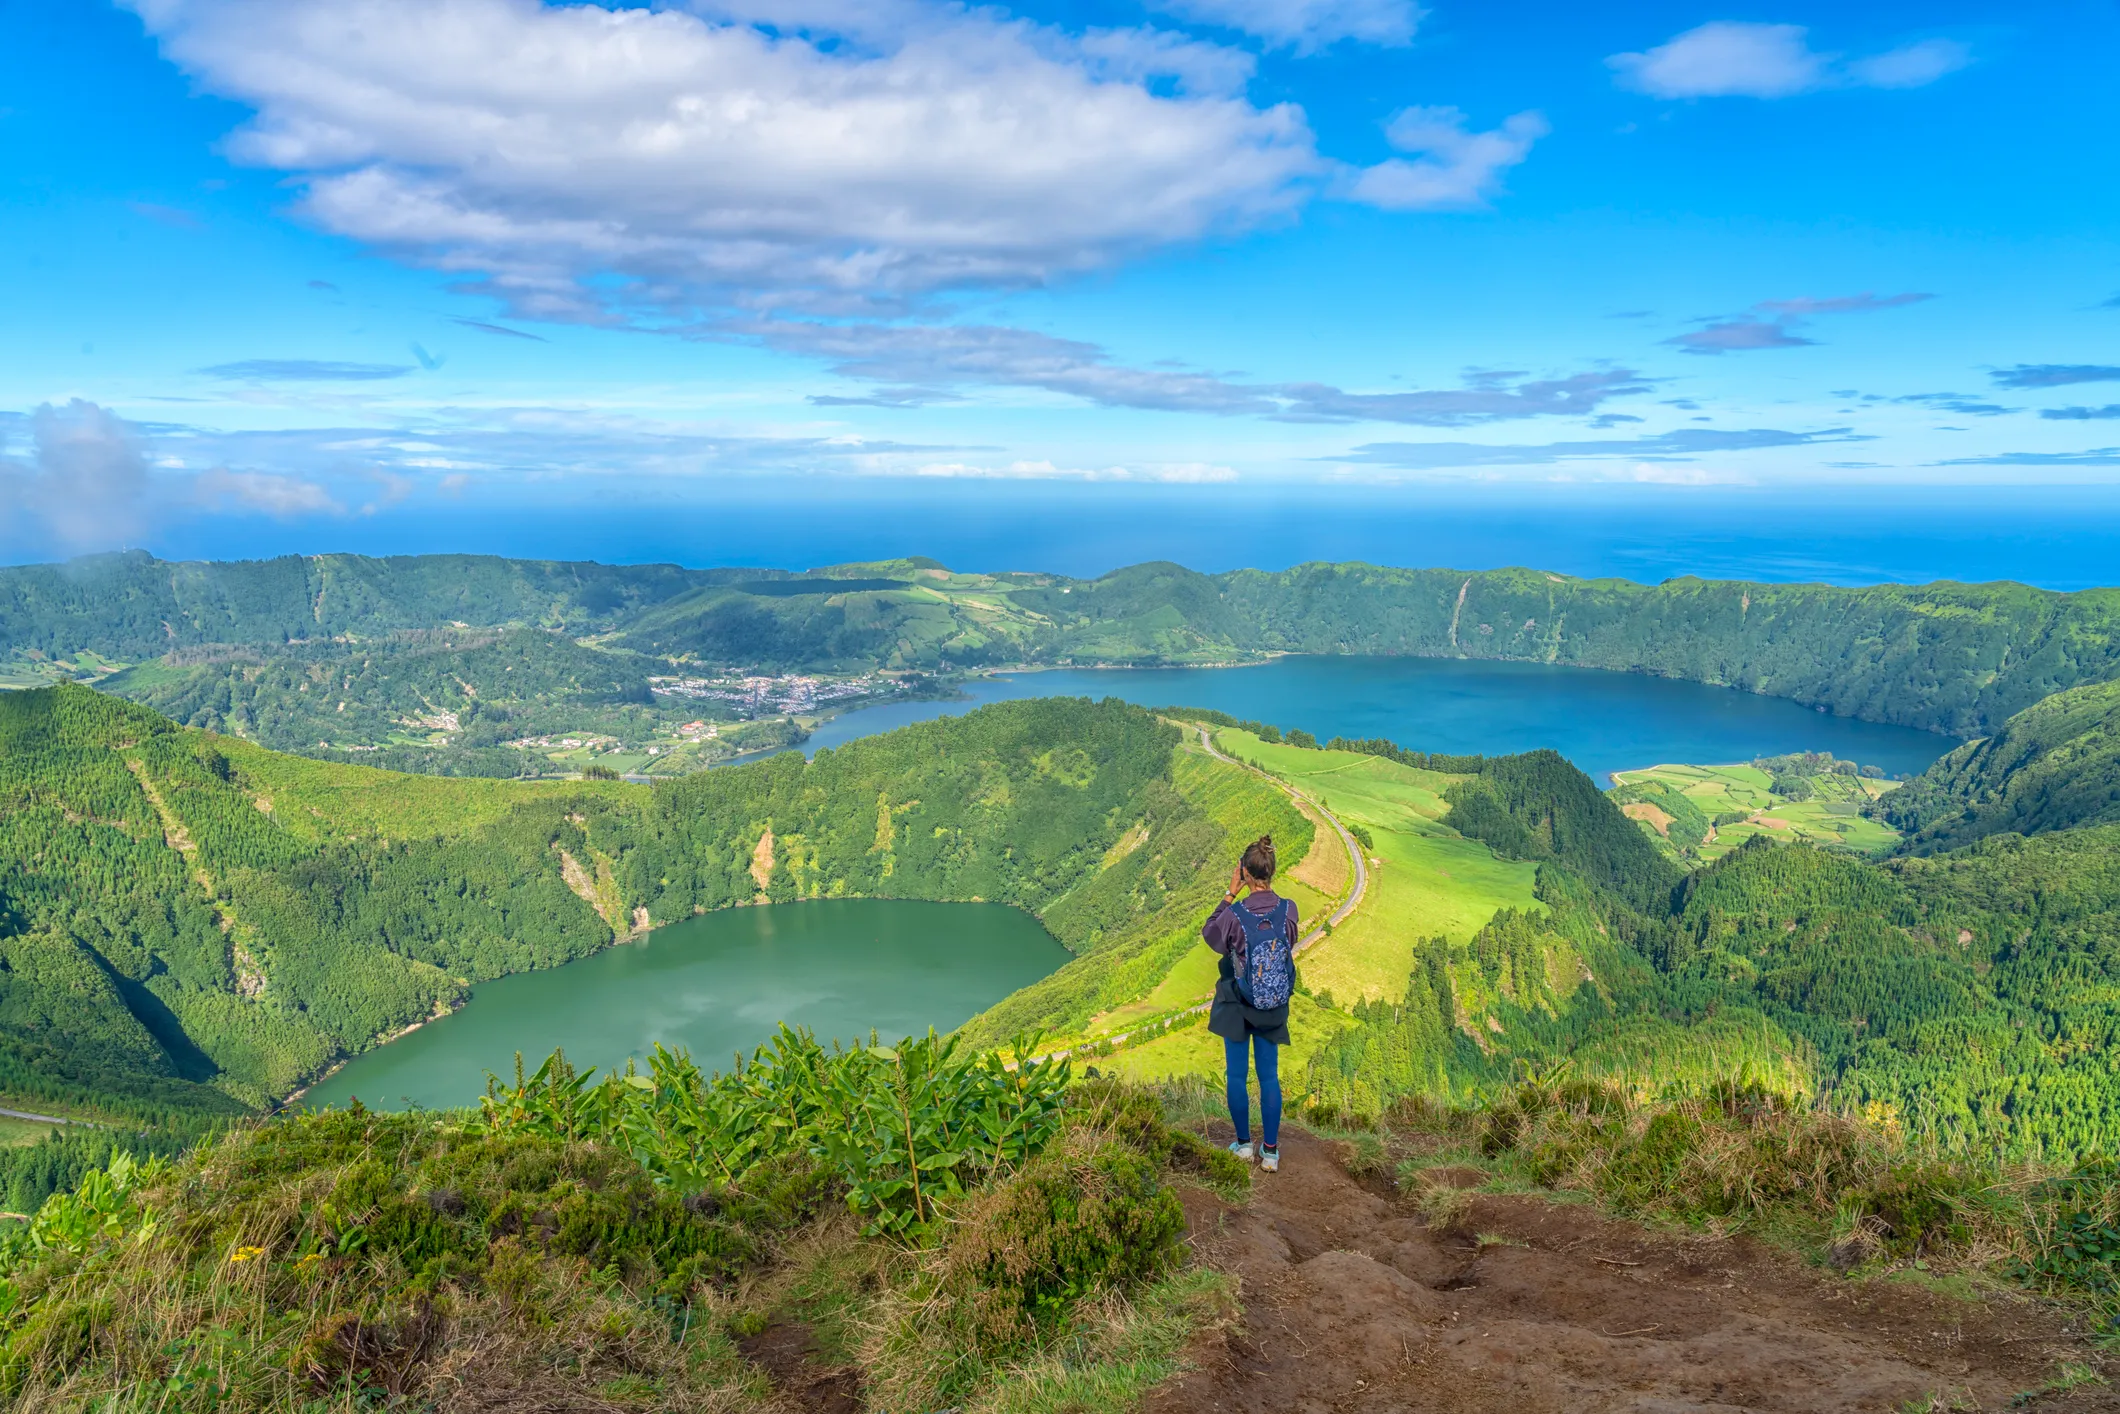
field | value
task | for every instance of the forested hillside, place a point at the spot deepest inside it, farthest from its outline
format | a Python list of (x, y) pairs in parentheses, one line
[(1948, 657), (447, 701), (2053, 766), (1537, 806), (132, 606)]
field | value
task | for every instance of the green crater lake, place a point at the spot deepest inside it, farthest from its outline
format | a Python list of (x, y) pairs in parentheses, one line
[(716, 985)]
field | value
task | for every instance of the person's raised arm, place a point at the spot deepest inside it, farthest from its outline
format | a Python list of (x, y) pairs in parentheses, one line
[(1217, 932)]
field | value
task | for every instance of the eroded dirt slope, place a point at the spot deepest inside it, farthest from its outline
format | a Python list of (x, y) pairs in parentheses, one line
[(1352, 1301)]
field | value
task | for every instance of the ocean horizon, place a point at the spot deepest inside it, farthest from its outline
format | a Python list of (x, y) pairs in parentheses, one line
[(2062, 538)]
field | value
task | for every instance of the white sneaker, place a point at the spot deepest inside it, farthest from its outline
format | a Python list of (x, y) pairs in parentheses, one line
[(1242, 1151), (1270, 1160)]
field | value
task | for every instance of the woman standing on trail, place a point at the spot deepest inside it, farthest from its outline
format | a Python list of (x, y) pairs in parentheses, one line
[(1255, 932)]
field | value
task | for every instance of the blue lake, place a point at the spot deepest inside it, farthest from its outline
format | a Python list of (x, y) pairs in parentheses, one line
[(716, 985), (1602, 721)]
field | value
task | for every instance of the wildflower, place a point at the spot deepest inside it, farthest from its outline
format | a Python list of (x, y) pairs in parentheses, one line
[(246, 1254)]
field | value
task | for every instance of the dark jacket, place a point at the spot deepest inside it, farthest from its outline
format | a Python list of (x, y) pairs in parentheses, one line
[(1229, 1016)]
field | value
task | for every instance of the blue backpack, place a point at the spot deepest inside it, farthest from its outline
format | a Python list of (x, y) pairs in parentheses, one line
[(1265, 968)]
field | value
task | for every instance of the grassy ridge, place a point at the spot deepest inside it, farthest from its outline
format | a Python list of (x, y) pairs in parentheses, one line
[(1133, 921), (1427, 880), (1969, 996)]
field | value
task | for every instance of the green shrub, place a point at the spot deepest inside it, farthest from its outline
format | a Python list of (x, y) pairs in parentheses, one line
[(1088, 1215), (1214, 1165), (1740, 1154), (902, 1130), (1922, 1205), (326, 1254), (1131, 1114)]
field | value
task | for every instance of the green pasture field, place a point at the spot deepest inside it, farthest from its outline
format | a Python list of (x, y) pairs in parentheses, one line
[(1432, 883), (1425, 879), (1830, 818), (1370, 789), (620, 761), (14, 1133), (26, 672)]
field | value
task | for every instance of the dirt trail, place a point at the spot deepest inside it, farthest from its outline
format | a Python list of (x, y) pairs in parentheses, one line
[(1352, 1301)]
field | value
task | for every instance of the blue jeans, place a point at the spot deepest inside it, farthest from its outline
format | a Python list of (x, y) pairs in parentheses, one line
[(1269, 1057)]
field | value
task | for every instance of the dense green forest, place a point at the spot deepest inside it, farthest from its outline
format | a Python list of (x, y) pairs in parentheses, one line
[(1948, 657)]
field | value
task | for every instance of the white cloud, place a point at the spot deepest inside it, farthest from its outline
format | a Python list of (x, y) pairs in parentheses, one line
[(84, 487), (274, 495), (543, 150), (1772, 324), (1864, 303), (1734, 59), (1739, 334), (940, 355), (1912, 66), (924, 360), (1307, 25), (1196, 473), (1454, 167), (1139, 55), (1656, 474), (1724, 58), (1168, 473)]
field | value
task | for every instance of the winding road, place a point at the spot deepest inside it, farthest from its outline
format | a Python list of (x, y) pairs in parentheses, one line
[(41, 1119)]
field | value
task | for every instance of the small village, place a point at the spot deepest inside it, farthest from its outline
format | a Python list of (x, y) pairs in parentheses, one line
[(792, 693)]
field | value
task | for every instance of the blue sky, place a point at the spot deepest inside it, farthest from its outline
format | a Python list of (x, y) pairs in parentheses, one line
[(276, 272)]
